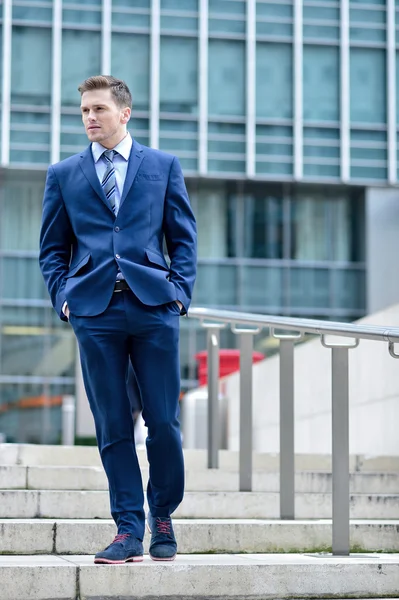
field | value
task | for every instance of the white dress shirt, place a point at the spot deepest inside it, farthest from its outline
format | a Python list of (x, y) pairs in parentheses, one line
[(121, 160)]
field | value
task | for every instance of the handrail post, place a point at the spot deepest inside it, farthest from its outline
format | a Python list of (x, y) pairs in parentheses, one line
[(246, 393), (340, 447), (213, 344), (287, 424)]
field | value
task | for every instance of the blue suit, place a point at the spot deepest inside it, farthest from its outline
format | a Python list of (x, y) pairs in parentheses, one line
[(82, 247)]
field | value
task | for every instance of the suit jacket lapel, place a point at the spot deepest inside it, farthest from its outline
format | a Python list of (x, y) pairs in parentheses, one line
[(89, 170), (135, 160)]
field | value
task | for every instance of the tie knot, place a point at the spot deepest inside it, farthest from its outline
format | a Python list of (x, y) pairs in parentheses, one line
[(109, 155)]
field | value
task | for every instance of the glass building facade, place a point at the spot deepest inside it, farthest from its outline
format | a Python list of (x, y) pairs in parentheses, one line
[(281, 112)]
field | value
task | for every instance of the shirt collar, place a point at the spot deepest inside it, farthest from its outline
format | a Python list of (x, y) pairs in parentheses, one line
[(123, 148)]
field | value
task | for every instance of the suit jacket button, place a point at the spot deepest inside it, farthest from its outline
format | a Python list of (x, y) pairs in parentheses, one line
[(117, 229), (117, 256)]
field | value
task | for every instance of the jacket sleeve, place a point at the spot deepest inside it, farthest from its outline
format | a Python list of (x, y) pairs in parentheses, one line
[(180, 236), (56, 238)]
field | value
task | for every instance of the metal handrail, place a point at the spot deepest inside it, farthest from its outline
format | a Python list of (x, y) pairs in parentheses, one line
[(246, 326)]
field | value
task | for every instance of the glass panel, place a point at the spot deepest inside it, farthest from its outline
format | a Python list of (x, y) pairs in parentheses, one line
[(21, 278), (320, 13), (369, 153), (178, 78), (320, 32), (263, 226), (274, 81), (369, 173), (274, 9), (359, 15), (226, 166), (274, 29), (81, 58), (262, 287), (273, 149), (314, 170), (210, 207), (170, 125), (321, 83), (29, 137), (226, 77), (21, 211), (236, 7), (186, 5), (216, 285), (31, 47), (368, 85), (129, 19), (271, 168), (367, 34), (226, 128), (178, 143), (274, 131), (74, 139), (188, 164), (309, 288), (350, 289), (310, 228), (347, 228), (30, 118), (321, 151), (93, 17), (173, 23), (372, 136), (136, 73), (19, 155), (226, 146), (321, 132), (31, 13), (226, 26), (132, 3)]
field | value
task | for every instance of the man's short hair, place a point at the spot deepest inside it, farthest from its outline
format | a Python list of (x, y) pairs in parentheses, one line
[(119, 90)]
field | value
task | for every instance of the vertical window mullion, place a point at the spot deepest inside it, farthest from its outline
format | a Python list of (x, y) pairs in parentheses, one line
[(203, 87), (251, 87), (6, 83), (106, 37), (56, 82), (391, 90), (345, 96), (298, 89), (155, 72)]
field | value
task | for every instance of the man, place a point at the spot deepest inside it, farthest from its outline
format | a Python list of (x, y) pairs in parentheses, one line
[(106, 214)]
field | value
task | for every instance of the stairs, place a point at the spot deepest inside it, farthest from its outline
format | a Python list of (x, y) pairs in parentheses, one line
[(54, 515)]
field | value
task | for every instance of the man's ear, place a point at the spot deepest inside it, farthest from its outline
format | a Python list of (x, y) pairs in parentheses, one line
[(126, 115)]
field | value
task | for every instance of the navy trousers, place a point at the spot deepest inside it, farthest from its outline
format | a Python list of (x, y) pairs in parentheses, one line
[(150, 337)]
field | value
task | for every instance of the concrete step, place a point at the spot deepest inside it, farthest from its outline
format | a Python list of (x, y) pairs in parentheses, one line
[(93, 478), (55, 504), (41, 455), (249, 577), (198, 536)]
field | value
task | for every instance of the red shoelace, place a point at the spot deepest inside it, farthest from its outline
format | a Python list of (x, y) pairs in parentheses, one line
[(121, 537), (163, 526)]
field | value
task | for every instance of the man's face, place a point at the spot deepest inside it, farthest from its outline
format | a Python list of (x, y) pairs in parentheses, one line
[(104, 121)]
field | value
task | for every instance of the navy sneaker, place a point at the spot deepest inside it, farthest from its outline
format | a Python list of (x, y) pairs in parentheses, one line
[(163, 542), (125, 548)]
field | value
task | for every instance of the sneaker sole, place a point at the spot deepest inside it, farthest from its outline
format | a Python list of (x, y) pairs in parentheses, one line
[(105, 561), (160, 559)]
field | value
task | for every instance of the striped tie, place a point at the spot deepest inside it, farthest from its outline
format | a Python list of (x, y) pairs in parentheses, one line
[(108, 183)]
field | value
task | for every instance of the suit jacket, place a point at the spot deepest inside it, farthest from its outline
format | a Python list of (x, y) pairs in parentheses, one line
[(82, 243)]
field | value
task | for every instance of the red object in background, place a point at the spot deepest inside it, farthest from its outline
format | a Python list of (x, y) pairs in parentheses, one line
[(229, 362)]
